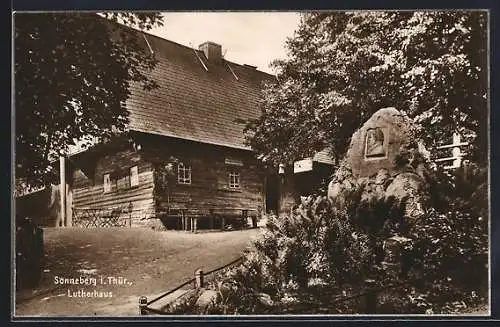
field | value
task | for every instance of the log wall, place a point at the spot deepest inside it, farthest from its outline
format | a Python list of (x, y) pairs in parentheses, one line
[(88, 191), (208, 193), (210, 169)]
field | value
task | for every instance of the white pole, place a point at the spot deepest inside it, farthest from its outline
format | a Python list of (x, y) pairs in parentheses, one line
[(456, 151), (68, 204), (62, 188)]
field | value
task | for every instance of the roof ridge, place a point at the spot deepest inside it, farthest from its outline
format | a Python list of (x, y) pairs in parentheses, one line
[(200, 51), (187, 47), (147, 33)]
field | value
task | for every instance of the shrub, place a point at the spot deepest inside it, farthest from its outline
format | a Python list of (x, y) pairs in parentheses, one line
[(449, 256), (322, 252), (314, 247), (464, 189)]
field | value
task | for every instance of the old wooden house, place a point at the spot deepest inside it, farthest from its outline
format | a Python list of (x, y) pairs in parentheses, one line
[(184, 155)]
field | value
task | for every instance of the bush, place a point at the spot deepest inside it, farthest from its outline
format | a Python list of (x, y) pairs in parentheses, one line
[(315, 247), (447, 262), (450, 257), (464, 189), (322, 252)]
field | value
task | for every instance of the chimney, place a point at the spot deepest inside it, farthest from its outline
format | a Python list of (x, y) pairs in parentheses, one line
[(213, 51)]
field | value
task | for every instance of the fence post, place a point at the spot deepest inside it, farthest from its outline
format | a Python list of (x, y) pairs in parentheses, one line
[(457, 154), (370, 297), (143, 302), (195, 224), (222, 223), (198, 277)]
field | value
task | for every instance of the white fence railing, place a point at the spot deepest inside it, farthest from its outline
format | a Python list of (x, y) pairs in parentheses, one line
[(456, 153)]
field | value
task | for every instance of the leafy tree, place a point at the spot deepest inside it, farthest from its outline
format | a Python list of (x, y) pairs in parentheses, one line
[(72, 74), (344, 66)]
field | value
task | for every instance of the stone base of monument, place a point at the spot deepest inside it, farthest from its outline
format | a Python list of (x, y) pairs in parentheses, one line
[(384, 161), (394, 249)]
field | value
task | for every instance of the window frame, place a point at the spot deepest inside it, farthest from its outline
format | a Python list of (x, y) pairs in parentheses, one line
[(236, 183), (186, 177)]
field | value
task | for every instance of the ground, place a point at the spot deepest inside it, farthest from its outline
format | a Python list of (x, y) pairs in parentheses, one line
[(152, 261)]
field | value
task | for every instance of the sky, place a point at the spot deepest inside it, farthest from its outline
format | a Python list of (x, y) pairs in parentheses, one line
[(253, 38)]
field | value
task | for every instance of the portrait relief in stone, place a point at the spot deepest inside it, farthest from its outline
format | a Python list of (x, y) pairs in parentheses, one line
[(375, 143)]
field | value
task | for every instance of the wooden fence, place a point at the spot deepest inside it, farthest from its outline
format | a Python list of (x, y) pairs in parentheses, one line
[(199, 280), (103, 217), (455, 160), (366, 297)]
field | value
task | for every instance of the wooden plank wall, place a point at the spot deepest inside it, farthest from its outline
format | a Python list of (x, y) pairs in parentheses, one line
[(209, 188), (89, 191)]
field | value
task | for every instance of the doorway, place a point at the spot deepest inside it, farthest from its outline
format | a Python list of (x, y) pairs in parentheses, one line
[(272, 193)]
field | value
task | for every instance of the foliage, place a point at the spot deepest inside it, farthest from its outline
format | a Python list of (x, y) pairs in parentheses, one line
[(315, 259), (312, 248), (446, 266), (446, 261), (72, 74), (165, 175), (343, 66), (465, 188)]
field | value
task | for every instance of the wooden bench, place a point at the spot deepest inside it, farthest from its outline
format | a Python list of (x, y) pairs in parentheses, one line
[(188, 218)]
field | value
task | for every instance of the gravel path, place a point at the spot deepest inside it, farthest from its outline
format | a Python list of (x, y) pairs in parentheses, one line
[(152, 262)]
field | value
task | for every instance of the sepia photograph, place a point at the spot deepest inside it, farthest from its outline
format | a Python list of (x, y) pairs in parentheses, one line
[(251, 163)]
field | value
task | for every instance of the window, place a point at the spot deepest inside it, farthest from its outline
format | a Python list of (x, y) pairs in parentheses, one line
[(107, 183), (183, 174), (134, 176), (234, 180)]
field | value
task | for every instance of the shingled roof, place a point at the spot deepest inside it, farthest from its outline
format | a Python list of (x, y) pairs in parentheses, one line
[(193, 102)]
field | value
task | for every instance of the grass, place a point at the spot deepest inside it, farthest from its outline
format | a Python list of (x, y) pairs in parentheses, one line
[(152, 261)]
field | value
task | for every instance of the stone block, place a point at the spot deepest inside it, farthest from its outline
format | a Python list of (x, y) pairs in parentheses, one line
[(206, 299), (377, 143), (412, 189)]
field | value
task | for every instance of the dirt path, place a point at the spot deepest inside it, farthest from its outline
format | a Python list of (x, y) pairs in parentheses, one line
[(152, 262)]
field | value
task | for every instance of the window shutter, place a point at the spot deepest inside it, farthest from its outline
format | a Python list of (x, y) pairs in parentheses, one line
[(134, 176), (107, 183)]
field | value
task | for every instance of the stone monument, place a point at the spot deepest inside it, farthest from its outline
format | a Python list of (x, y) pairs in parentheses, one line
[(385, 160)]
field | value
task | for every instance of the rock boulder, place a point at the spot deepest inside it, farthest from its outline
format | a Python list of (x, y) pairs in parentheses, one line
[(378, 143), (384, 160)]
